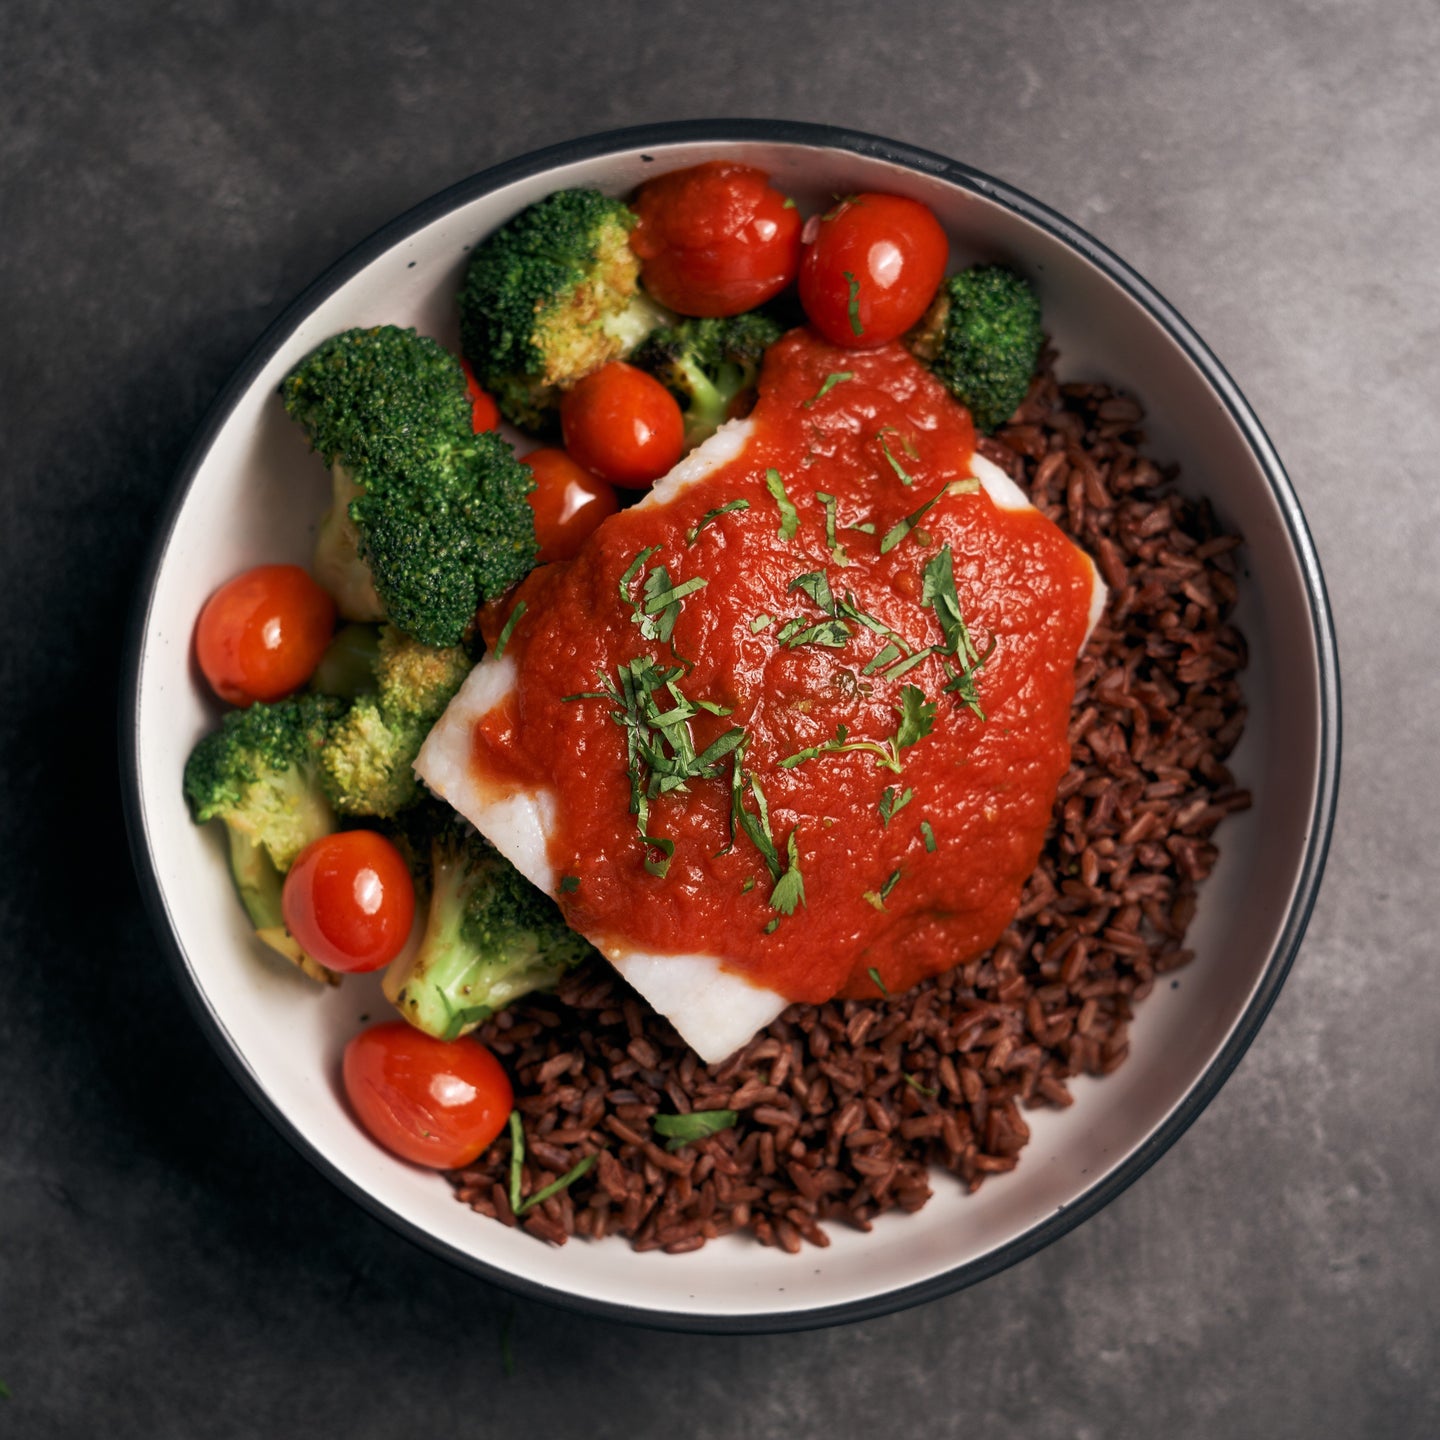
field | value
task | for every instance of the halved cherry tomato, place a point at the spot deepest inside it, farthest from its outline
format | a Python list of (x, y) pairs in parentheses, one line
[(262, 634), (872, 269), (484, 412), (715, 239), (568, 501), (425, 1101), (622, 425), (349, 901)]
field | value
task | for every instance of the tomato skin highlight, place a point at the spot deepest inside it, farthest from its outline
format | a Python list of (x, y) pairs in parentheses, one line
[(622, 425), (872, 269), (716, 239), (569, 502), (349, 901), (484, 412), (261, 635), (432, 1103)]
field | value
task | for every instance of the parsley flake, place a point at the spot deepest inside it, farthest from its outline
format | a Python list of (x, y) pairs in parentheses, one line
[(837, 550), (503, 639), (836, 377), (715, 514), (789, 516), (874, 974), (902, 528), (569, 884), (929, 836), (682, 1130), (904, 477), (892, 801), (789, 889)]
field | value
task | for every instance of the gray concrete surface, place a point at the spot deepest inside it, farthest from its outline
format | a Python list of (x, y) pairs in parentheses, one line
[(170, 176)]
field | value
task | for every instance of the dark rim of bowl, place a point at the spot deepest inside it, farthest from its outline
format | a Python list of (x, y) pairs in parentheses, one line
[(1203, 1089)]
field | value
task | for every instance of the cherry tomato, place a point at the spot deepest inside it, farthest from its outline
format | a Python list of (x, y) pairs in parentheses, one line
[(349, 901), (715, 239), (872, 269), (568, 501), (262, 634), (623, 425), (423, 1100), (484, 412)]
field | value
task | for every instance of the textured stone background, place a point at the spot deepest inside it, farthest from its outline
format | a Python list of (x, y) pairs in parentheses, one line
[(170, 176)]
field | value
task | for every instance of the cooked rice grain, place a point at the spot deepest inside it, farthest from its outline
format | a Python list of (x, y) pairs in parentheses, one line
[(848, 1109)]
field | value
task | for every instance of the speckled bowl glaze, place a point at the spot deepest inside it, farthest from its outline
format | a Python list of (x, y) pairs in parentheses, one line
[(248, 492)]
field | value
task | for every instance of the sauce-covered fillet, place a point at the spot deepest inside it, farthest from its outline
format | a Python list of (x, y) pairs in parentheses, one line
[(790, 727)]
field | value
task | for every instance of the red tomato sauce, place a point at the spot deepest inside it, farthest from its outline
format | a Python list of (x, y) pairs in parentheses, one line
[(876, 895)]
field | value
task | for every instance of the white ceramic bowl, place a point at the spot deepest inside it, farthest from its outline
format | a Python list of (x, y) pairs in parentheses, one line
[(249, 492)]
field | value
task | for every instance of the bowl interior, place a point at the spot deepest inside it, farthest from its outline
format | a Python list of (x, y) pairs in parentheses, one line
[(255, 494)]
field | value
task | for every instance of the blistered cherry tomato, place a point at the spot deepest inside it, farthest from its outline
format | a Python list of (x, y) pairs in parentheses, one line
[(349, 901), (262, 634), (568, 501), (872, 269), (425, 1101), (715, 239), (484, 412), (622, 425)]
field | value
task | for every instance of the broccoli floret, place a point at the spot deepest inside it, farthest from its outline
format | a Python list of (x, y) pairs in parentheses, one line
[(368, 755), (259, 773), (549, 297), (707, 364), (428, 519), (490, 937), (982, 337)]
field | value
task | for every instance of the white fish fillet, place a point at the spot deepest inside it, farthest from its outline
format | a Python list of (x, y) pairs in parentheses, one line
[(715, 1010)]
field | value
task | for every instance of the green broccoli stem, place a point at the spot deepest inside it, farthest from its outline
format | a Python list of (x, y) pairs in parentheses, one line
[(449, 986), (260, 887), (337, 563)]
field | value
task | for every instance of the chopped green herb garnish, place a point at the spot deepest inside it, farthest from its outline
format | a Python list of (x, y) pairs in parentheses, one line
[(789, 516), (517, 1159), (556, 1186), (658, 865), (772, 926), (854, 304), (748, 886), (761, 622), (892, 801), (929, 836), (836, 377), (569, 883), (634, 568), (866, 528), (837, 550), (789, 203), (800, 631), (714, 514), (902, 528), (816, 586), (874, 974), (895, 465), (789, 889), (681, 1130), (757, 827), (659, 598), (939, 594), (503, 639), (917, 1087), (878, 898), (917, 716)]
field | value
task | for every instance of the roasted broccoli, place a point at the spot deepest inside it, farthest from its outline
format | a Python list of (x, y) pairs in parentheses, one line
[(368, 753), (549, 297), (982, 337), (428, 519), (259, 773), (708, 364), (490, 937)]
